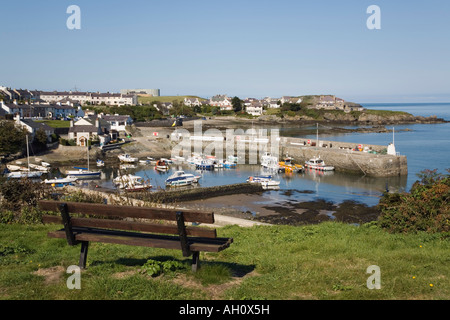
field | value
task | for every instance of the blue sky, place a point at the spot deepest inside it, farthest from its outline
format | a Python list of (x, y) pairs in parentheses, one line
[(246, 48)]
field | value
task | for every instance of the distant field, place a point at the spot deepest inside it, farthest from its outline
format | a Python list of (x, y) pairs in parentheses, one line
[(145, 99)]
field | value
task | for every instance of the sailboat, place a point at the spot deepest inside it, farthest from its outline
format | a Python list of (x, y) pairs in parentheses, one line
[(84, 173), (25, 173)]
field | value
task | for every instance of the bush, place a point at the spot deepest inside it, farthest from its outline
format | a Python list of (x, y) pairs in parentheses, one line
[(425, 208), (20, 199)]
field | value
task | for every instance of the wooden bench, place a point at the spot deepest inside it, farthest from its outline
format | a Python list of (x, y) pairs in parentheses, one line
[(116, 226)]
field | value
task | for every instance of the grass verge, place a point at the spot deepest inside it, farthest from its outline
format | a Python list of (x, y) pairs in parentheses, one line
[(326, 261)]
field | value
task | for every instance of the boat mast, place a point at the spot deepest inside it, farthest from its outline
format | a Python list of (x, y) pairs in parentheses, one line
[(317, 135), (28, 153)]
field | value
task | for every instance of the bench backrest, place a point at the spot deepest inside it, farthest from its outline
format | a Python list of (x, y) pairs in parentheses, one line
[(125, 212)]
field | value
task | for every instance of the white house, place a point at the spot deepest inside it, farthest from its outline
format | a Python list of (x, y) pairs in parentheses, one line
[(118, 122), (32, 126), (255, 109), (87, 129), (192, 102), (221, 101)]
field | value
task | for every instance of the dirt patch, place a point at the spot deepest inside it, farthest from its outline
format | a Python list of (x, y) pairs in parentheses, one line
[(52, 275), (214, 291)]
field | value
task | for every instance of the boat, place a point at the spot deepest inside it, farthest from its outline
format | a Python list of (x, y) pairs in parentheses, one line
[(232, 158), (100, 163), (229, 165), (39, 168), (161, 165), (271, 163), (264, 181), (318, 164), (204, 164), (13, 167), (180, 178), (131, 183), (289, 165), (25, 172), (125, 157), (84, 173), (45, 164), (60, 182)]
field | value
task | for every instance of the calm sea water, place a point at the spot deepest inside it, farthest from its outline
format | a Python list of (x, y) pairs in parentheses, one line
[(427, 146)]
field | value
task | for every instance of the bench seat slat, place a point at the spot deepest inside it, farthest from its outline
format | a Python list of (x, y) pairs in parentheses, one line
[(131, 225), (143, 239), (128, 211)]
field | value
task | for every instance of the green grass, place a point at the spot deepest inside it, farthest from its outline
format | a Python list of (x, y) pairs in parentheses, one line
[(56, 123), (326, 261)]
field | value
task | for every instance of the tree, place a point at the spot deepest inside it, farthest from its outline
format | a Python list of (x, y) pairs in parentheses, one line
[(12, 139), (41, 137), (237, 104)]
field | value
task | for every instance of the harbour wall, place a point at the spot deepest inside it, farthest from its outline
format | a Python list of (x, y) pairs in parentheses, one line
[(343, 156)]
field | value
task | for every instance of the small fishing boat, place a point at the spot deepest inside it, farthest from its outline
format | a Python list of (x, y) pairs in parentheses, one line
[(264, 181), (180, 178), (14, 167), (229, 165), (204, 164), (39, 168), (60, 182), (125, 157), (131, 183), (83, 173), (24, 174), (289, 165), (161, 166), (100, 163), (318, 164)]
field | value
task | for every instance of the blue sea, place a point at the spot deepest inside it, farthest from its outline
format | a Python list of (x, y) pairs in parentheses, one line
[(427, 146)]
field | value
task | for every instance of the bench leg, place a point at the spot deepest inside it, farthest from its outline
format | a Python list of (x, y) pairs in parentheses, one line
[(195, 261), (83, 254)]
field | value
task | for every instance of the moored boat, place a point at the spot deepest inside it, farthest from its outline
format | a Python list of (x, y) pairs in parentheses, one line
[(161, 166), (318, 164), (83, 173), (125, 157), (289, 165), (180, 178)]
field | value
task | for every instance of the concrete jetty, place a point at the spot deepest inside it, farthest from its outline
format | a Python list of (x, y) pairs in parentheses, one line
[(348, 157)]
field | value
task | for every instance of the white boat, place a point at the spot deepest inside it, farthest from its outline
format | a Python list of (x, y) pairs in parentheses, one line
[(180, 178), (39, 168), (161, 165), (131, 183), (13, 167), (204, 164), (318, 164), (270, 163), (58, 181), (25, 172), (265, 181), (127, 179), (100, 163), (127, 158), (84, 173), (45, 164), (232, 158)]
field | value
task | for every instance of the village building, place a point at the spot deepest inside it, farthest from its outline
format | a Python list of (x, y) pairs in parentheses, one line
[(86, 129)]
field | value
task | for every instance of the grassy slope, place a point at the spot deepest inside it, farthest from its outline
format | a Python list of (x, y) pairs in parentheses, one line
[(326, 261)]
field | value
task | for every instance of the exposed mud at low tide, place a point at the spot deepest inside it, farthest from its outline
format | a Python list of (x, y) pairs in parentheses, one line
[(313, 212), (287, 212)]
